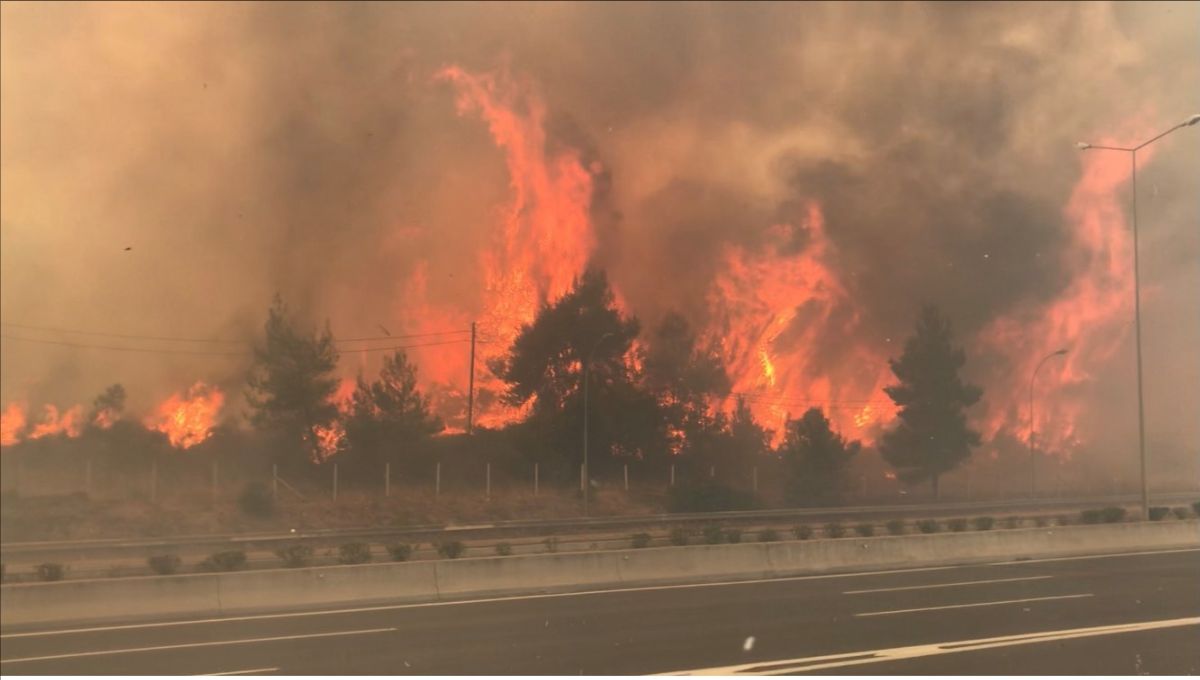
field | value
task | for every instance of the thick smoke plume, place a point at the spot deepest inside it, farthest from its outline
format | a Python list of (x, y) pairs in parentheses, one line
[(167, 168)]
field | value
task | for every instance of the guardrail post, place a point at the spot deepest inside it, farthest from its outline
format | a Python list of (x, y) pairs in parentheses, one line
[(153, 481), (387, 479), (437, 480), (535, 479), (335, 481), (627, 476), (488, 477), (274, 482)]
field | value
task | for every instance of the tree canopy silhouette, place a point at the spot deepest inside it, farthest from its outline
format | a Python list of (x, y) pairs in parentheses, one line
[(816, 459), (931, 436), (388, 416)]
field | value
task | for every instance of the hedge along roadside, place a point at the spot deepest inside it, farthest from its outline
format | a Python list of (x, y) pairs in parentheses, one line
[(207, 595)]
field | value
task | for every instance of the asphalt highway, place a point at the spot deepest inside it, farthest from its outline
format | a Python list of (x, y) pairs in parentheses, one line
[(1117, 614)]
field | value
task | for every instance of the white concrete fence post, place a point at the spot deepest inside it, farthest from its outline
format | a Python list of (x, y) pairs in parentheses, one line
[(672, 474), (153, 481), (335, 481), (437, 480), (215, 479), (488, 476), (387, 480), (627, 476), (87, 476), (274, 482), (754, 475), (535, 479)]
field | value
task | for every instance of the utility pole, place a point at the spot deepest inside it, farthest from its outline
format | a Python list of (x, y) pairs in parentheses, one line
[(471, 384)]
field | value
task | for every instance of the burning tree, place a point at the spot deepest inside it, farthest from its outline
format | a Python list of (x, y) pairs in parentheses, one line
[(545, 365), (291, 385), (931, 436), (817, 459), (107, 407), (388, 416)]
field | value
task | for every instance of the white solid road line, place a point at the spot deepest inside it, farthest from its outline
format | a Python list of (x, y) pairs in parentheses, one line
[(976, 604), (581, 593), (817, 663), (946, 585), (186, 645), (247, 671)]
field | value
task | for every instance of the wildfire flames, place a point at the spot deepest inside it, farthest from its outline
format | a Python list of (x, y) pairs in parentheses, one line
[(188, 418), (12, 423)]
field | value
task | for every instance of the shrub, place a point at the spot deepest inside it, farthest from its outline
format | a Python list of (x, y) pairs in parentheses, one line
[(1112, 515), (768, 536), (1196, 508), (928, 526), (401, 552), (1180, 512), (1090, 517), (294, 555), (226, 560), (1158, 513), (3, 572), (895, 527), (551, 544), (640, 540), (708, 497), (451, 549), (834, 530), (256, 501), (712, 534), (164, 565), (957, 524), (984, 523), (802, 532), (679, 536), (865, 529), (733, 535), (504, 549), (354, 553), (1011, 522), (50, 571), (1063, 520)]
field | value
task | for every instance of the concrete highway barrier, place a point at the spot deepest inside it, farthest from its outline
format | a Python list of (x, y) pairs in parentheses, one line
[(203, 595)]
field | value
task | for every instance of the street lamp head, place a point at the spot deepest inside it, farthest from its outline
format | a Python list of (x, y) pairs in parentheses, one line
[(1193, 120), (1083, 146)]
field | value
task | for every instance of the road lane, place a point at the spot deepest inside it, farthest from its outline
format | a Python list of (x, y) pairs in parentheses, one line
[(653, 629)]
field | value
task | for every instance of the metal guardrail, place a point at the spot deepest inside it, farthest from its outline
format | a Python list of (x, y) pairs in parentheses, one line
[(505, 528)]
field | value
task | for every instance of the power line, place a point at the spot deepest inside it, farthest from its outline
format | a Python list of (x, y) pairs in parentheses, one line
[(159, 350), (161, 338)]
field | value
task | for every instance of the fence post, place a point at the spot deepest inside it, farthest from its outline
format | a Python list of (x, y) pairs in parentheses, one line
[(672, 474), (87, 476), (215, 479), (488, 473), (387, 479), (535, 479), (712, 472), (754, 472), (335, 481), (153, 481), (582, 478), (627, 476), (274, 481), (437, 480)]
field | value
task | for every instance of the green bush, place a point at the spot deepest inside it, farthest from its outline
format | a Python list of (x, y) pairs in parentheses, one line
[(957, 524), (164, 565), (679, 536), (551, 544), (984, 523), (1196, 508), (3, 572), (401, 552), (1159, 512), (712, 534), (294, 555), (504, 549), (928, 526), (768, 536), (640, 540), (256, 501), (802, 532), (1011, 522), (451, 549), (1180, 512), (226, 560), (708, 497), (1089, 517), (733, 535), (834, 530), (1112, 515), (50, 571), (866, 529), (354, 553)]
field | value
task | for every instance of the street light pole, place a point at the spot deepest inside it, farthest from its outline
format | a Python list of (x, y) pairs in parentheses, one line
[(1137, 295), (587, 369), (1032, 449)]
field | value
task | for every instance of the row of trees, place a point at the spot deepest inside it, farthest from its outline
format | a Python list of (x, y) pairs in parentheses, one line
[(651, 411)]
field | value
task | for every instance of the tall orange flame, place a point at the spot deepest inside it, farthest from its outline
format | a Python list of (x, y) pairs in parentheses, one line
[(69, 422), (12, 424), (188, 418)]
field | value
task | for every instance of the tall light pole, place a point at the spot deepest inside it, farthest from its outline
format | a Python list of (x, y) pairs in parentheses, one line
[(1137, 295), (1032, 450), (587, 369)]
